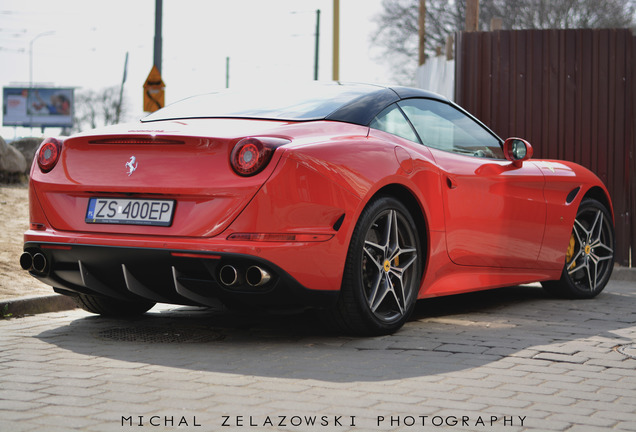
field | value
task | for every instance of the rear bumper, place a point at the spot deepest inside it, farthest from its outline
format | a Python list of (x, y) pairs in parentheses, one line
[(168, 275)]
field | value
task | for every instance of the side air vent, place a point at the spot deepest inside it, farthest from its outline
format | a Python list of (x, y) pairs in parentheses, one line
[(572, 195), (339, 222)]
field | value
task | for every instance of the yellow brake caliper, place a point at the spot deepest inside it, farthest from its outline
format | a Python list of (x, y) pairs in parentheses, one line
[(570, 252)]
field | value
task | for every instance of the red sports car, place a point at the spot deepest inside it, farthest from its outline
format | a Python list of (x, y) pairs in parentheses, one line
[(357, 199)]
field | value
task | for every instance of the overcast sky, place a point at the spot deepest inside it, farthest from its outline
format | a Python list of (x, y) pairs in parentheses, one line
[(86, 41)]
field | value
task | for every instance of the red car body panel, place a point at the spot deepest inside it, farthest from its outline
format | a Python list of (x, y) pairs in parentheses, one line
[(488, 223)]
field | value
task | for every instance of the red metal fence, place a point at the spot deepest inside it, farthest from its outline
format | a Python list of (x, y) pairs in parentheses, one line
[(570, 93)]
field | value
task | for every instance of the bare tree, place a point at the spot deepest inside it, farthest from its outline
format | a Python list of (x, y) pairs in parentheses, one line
[(561, 14), (97, 108), (397, 30)]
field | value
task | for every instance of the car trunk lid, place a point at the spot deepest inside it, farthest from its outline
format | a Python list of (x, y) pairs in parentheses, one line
[(168, 161)]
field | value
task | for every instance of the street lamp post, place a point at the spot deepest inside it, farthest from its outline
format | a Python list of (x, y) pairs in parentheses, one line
[(317, 44), (48, 33)]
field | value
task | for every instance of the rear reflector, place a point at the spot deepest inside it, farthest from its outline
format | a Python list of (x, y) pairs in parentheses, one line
[(280, 237), (56, 247), (193, 255)]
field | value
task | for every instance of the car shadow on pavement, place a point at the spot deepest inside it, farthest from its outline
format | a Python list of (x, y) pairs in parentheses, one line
[(445, 334)]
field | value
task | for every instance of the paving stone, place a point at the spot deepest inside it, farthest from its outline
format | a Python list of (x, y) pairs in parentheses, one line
[(565, 358), (601, 373), (460, 348), (619, 364), (554, 400), (480, 391), (70, 411), (618, 415), (19, 395), (601, 423), (64, 422), (72, 391), (483, 384), (627, 391), (18, 425), (127, 397), (66, 400), (549, 407), (587, 428), (18, 405), (574, 386), (588, 396), (18, 416), (526, 389), (500, 401)]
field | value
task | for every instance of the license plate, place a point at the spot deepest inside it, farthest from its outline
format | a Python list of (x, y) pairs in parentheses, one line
[(130, 211)]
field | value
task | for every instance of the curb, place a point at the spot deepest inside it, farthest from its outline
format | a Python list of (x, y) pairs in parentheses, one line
[(54, 303), (624, 274), (21, 306)]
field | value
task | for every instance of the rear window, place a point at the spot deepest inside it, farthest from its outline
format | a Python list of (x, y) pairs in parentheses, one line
[(311, 102)]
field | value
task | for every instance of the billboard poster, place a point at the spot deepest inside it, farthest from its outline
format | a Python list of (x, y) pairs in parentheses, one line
[(37, 107)]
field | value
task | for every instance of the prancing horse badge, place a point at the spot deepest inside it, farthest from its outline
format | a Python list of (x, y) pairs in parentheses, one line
[(132, 165)]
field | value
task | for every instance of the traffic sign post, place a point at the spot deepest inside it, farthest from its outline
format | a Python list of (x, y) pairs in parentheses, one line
[(154, 91)]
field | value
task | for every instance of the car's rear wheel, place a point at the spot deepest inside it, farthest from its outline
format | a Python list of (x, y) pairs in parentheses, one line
[(382, 272), (112, 307), (590, 255)]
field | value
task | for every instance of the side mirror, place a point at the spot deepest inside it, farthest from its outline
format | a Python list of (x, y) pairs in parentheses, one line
[(517, 150)]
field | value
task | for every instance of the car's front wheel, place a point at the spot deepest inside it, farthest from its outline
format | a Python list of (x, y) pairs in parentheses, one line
[(382, 272), (590, 256), (112, 307)]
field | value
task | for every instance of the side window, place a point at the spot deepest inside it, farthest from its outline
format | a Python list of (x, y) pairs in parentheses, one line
[(392, 120), (443, 127)]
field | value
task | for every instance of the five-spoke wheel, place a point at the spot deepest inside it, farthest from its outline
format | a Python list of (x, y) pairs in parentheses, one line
[(383, 270), (590, 256)]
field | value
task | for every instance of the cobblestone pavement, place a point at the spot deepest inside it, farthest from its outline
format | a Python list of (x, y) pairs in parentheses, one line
[(510, 359)]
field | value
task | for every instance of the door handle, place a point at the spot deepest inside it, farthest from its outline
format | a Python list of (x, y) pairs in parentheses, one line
[(450, 183)]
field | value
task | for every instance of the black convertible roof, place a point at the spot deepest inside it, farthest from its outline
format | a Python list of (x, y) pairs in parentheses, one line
[(345, 102), (364, 109)]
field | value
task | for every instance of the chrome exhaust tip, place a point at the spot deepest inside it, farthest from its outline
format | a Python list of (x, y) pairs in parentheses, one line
[(256, 276), (228, 275), (39, 262), (26, 261)]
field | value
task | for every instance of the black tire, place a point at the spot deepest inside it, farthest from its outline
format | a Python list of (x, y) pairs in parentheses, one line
[(590, 258), (112, 307), (383, 271)]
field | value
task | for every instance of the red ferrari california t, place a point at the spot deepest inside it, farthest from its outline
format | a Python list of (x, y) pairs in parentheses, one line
[(357, 199)]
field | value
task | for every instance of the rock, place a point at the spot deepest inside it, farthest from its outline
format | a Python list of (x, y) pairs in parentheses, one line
[(12, 163), (11, 160), (28, 147)]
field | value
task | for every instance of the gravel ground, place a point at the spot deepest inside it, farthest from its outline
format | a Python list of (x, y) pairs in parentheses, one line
[(14, 217)]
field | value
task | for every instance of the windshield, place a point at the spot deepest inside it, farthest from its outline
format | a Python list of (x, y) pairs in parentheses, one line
[(311, 102)]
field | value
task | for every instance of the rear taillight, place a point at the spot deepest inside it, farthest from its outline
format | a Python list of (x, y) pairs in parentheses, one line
[(251, 155), (49, 153)]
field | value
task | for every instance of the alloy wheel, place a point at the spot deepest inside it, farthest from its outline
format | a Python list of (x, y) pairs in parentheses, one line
[(389, 273), (591, 252)]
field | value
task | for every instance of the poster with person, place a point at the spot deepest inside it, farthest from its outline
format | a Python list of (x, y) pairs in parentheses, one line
[(37, 107)]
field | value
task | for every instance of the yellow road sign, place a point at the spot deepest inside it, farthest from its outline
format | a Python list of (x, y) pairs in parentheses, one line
[(154, 91)]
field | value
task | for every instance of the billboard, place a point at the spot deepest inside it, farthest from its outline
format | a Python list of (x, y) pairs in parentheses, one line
[(37, 107)]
